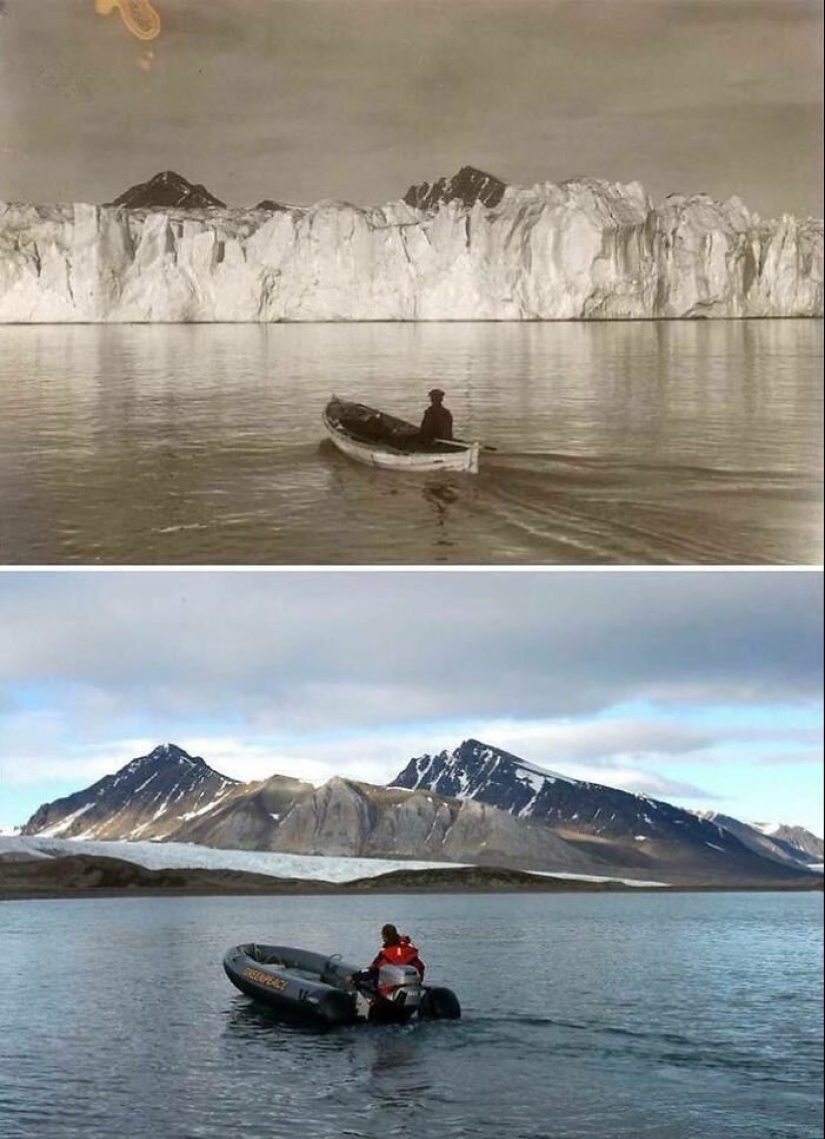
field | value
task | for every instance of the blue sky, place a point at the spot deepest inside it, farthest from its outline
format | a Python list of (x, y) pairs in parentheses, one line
[(703, 689)]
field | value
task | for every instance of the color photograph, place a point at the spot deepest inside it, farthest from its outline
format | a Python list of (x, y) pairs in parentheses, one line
[(469, 853)]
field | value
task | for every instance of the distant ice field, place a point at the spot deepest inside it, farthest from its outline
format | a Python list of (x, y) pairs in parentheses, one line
[(186, 856)]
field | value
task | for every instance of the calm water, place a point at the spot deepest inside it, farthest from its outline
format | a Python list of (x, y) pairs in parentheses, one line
[(617, 443), (594, 1018)]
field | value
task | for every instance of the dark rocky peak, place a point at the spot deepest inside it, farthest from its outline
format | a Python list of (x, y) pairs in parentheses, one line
[(468, 186), (270, 206), (170, 758), (167, 190), (475, 770), (468, 768), (171, 753), (476, 752)]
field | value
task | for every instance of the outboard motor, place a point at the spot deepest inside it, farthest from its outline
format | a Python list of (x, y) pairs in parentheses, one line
[(400, 984)]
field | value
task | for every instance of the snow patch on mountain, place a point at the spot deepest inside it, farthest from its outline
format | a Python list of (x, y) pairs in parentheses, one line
[(597, 878), (205, 810), (61, 827)]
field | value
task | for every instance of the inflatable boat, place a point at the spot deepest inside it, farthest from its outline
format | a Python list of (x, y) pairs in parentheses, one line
[(326, 990)]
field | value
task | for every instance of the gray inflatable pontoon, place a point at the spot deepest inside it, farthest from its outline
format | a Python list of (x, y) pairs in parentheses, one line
[(308, 986)]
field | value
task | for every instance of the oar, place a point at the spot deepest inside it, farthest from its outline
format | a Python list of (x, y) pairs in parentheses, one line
[(465, 443)]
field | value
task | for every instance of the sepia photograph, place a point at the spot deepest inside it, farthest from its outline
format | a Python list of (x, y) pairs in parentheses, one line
[(487, 282)]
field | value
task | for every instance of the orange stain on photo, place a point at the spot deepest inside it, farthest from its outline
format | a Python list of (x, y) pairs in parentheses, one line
[(138, 15)]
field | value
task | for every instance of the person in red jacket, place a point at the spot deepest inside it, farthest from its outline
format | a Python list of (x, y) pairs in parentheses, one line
[(396, 949)]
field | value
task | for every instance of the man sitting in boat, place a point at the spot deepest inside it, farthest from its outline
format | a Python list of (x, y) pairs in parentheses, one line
[(396, 949), (392, 982), (438, 421)]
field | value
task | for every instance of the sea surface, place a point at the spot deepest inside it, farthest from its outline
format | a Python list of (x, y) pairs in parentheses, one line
[(616, 443), (585, 1017)]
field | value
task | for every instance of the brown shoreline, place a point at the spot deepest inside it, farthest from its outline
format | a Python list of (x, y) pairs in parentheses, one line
[(89, 876)]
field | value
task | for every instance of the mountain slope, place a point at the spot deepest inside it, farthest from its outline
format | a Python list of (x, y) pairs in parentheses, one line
[(151, 797), (344, 817), (624, 829), (790, 845), (248, 818), (796, 841)]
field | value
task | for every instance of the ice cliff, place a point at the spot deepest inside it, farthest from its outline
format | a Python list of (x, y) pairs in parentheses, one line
[(584, 249)]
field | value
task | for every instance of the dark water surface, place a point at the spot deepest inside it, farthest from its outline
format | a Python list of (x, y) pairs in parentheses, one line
[(615, 1016), (624, 443)]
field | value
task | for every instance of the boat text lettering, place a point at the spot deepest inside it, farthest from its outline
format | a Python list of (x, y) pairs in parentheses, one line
[(264, 978)]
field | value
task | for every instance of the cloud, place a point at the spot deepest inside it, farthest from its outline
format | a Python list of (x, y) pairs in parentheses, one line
[(791, 757), (655, 786), (631, 679), (597, 742), (306, 652)]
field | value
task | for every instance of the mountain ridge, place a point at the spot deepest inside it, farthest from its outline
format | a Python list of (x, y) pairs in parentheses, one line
[(477, 804), (795, 845), (639, 831), (135, 798)]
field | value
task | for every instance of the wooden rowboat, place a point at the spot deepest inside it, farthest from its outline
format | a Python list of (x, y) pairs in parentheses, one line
[(381, 440)]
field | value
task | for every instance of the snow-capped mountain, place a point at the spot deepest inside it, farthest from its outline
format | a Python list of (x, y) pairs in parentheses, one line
[(475, 805), (618, 826), (167, 190), (151, 797), (171, 796), (465, 249)]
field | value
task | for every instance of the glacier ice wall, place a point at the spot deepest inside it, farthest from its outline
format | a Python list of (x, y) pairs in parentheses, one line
[(585, 249)]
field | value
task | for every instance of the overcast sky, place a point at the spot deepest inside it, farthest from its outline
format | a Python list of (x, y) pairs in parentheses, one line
[(704, 689), (356, 99)]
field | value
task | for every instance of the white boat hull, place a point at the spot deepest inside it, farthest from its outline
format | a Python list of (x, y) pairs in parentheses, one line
[(463, 458)]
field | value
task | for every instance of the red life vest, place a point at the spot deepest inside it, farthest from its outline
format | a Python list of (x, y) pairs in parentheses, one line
[(403, 952)]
